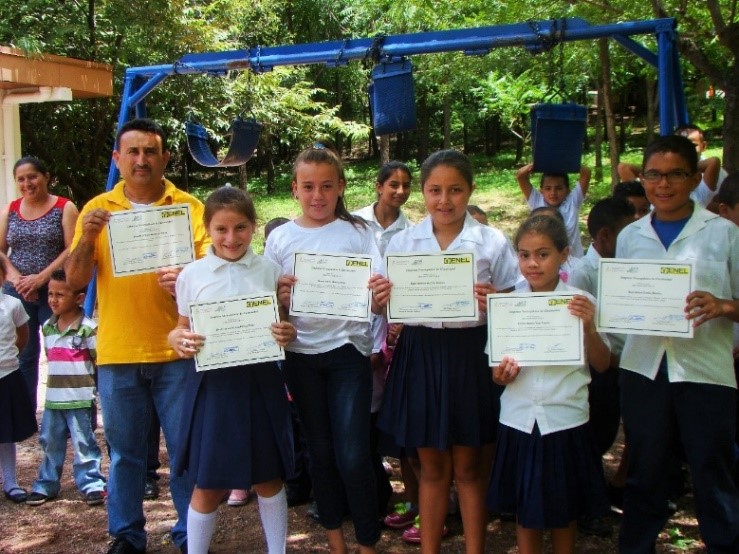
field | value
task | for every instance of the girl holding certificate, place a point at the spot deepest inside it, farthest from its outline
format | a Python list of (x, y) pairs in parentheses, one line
[(235, 421), (328, 368), (439, 397), (547, 470)]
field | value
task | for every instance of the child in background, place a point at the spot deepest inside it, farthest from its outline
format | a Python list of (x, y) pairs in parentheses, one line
[(385, 219), (682, 387), (546, 469), (17, 420), (478, 214), (69, 343), (438, 396), (554, 191), (633, 193), (328, 367), (235, 422)]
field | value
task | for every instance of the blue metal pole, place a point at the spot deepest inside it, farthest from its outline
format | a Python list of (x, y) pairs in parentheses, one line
[(665, 81)]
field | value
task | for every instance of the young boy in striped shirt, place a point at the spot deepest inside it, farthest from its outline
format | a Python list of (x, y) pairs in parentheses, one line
[(69, 342)]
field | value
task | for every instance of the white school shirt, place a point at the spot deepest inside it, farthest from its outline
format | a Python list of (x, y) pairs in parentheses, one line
[(702, 194), (316, 334), (570, 210), (382, 236), (711, 242), (496, 262), (213, 278), (554, 397), (585, 276), (12, 316)]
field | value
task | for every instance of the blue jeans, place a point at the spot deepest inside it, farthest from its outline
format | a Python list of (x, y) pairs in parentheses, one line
[(333, 392), (38, 312), (127, 393), (87, 456)]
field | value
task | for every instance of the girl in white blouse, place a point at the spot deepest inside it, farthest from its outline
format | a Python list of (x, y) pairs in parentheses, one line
[(547, 470)]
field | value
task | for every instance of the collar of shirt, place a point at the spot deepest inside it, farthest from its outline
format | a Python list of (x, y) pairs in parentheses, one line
[(469, 233), (73, 328), (117, 195), (214, 262)]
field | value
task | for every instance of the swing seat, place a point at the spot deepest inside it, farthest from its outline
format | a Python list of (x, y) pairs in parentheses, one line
[(244, 139), (392, 98), (557, 134)]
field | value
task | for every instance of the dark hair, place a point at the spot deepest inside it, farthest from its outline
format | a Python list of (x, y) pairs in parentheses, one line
[(672, 144), (687, 129), (548, 210), (229, 198), (37, 164), (3, 266), (543, 224), (449, 158), (387, 170), (473, 209), (273, 224), (145, 126), (60, 276), (728, 193), (609, 213), (563, 176), (318, 154), (629, 188)]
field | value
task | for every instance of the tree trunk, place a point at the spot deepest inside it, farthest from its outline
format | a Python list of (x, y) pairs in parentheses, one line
[(243, 178), (269, 163), (731, 120), (447, 122), (184, 170), (598, 138), (423, 127), (651, 106), (384, 149), (605, 64)]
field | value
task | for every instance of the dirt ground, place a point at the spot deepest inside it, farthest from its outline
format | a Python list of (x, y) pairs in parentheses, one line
[(67, 525)]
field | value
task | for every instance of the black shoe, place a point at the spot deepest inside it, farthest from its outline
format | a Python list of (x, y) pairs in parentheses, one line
[(95, 498), (36, 498), (616, 496), (151, 489), (296, 497), (122, 546), (312, 511), (595, 526)]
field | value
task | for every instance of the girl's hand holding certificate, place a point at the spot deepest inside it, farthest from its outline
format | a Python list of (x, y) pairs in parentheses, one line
[(185, 342), (284, 333), (506, 371)]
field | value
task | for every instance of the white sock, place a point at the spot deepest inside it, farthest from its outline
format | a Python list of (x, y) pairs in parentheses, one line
[(200, 529), (7, 463), (273, 512)]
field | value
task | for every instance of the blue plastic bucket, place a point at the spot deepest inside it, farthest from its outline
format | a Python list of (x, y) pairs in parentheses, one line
[(557, 135), (393, 98)]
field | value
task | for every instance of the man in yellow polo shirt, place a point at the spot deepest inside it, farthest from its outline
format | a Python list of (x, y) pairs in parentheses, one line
[(136, 364)]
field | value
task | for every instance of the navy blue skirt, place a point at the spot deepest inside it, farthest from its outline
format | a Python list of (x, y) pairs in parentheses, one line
[(17, 420), (547, 481), (439, 391), (235, 429)]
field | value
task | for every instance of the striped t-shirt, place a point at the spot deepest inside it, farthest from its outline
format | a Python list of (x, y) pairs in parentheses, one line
[(71, 355)]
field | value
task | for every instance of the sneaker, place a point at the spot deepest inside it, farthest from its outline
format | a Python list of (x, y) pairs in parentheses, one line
[(36, 499), (404, 515), (616, 496), (238, 498), (151, 489), (312, 511), (122, 546), (412, 535), (95, 498)]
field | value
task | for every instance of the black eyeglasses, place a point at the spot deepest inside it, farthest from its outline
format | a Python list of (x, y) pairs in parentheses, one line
[(675, 177)]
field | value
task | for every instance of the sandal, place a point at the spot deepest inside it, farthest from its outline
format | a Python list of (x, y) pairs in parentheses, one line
[(16, 494)]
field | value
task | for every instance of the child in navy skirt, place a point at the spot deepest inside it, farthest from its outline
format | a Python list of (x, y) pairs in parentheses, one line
[(17, 418), (547, 470), (235, 426), (438, 396)]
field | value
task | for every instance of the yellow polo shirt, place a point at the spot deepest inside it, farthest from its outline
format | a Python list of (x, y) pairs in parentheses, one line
[(135, 314)]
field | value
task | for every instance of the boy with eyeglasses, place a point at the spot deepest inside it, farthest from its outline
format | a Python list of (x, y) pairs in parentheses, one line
[(69, 342), (554, 191), (682, 387)]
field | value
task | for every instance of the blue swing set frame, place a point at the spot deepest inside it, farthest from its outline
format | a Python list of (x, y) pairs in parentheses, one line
[(535, 36)]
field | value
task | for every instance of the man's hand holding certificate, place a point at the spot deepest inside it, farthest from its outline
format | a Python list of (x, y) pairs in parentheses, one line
[(644, 297), (150, 238)]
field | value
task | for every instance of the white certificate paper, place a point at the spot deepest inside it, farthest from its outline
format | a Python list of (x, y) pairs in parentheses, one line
[(332, 286), (534, 328), (644, 297), (236, 330), (147, 239), (432, 287)]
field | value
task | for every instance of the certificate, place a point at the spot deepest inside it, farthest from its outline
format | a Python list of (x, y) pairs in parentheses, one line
[(534, 328), (332, 286), (236, 330), (644, 297), (147, 239), (432, 287)]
